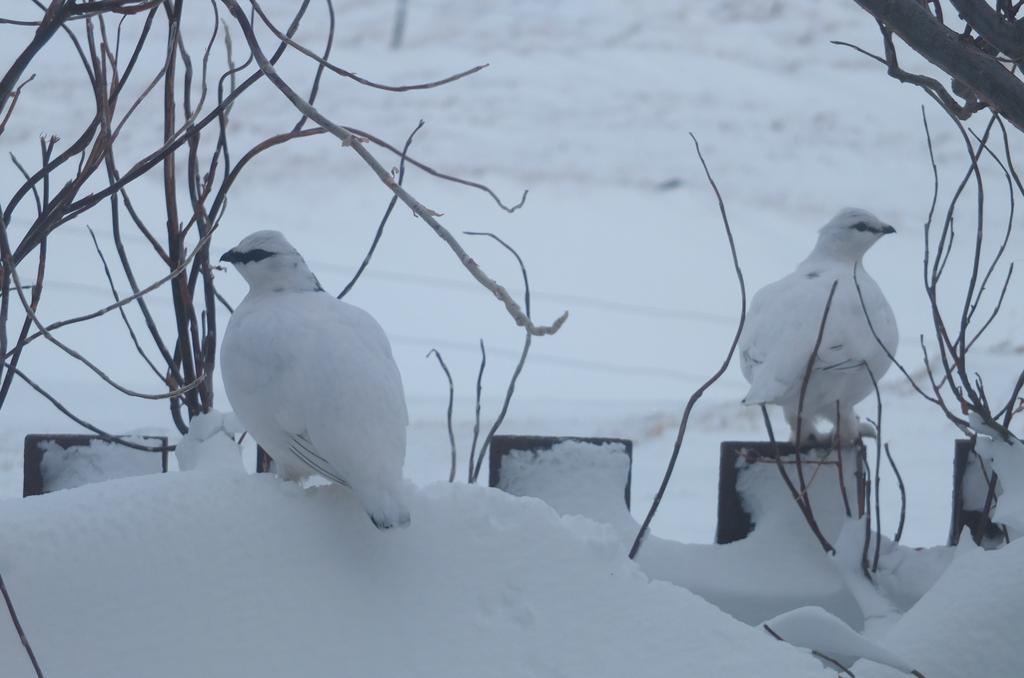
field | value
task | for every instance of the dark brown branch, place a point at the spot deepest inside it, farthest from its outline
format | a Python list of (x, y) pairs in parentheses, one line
[(384, 219), (476, 416), (903, 495), (26, 325), (793, 491), (18, 627), (362, 134), (126, 300), (842, 669), (878, 468), (839, 463), (14, 102), (67, 208), (124, 316), (321, 67), (1008, 38), (808, 370), (108, 437), (429, 216), (993, 84), (510, 391), (696, 395), (348, 74), (451, 405), (54, 18)]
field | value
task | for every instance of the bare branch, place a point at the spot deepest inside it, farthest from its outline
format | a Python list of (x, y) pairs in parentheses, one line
[(349, 139), (993, 84), (18, 627), (384, 219), (794, 492), (451, 405), (696, 395), (348, 74), (510, 391), (903, 495), (14, 102), (476, 416)]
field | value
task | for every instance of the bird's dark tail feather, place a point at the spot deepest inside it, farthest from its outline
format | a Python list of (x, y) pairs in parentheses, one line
[(386, 522)]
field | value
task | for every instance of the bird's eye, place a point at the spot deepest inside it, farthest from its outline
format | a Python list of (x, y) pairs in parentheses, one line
[(860, 226)]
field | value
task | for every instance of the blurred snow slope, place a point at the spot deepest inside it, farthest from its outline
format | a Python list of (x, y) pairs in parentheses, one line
[(588, 105), (110, 582)]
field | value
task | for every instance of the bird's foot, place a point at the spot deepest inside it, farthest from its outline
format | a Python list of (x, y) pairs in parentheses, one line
[(865, 429)]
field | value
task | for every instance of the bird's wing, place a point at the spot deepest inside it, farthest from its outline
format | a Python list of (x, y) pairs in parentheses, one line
[(780, 334), (353, 407), (315, 377), (302, 447)]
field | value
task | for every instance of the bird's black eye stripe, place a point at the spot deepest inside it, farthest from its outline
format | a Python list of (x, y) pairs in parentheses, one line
[(861, 226), (246, 257)]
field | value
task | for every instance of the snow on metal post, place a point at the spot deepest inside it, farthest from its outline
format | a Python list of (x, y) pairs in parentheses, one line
[(57, 461), (973, 499), (736, 458), (549, 460)]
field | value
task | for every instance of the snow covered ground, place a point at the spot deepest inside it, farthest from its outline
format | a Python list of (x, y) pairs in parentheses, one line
[(587, 105), (481, 585)]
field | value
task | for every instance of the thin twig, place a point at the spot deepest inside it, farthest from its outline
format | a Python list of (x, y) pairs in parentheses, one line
[(511, 389), (349, 139), (124, 316), (348, 74), (384, 219), (14, 102), (451, 404), (842, 669), (903, 495), (803, 392), (107, 437), (696, 395), (839, 464), (476, 416), (794, 492), (19, 628), (878, 467)]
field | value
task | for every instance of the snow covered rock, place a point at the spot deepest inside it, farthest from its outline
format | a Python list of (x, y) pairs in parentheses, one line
[(212, 574)]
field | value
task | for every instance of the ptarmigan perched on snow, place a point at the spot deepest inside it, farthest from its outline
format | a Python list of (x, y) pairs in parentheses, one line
[(313, 379), (783, 323)]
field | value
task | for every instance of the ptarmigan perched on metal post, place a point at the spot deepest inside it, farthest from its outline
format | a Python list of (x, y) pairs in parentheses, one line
[(783, 323), (313, 380)]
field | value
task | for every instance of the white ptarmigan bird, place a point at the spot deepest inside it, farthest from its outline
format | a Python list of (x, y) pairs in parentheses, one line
[(313, 380), (782, 326)]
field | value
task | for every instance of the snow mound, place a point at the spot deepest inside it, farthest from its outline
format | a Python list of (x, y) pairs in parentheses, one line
[(968, 624), (578, 478), (218, 574), (208, 445), (815, 629)]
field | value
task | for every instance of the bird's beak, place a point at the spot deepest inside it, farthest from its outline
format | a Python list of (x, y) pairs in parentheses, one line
[(230, 256), (887, 229)]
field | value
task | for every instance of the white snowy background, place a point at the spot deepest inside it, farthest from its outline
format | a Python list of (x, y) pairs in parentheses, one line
[(587, 105)]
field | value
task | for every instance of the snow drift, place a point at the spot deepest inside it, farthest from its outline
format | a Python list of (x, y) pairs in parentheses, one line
[(221, 574)]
